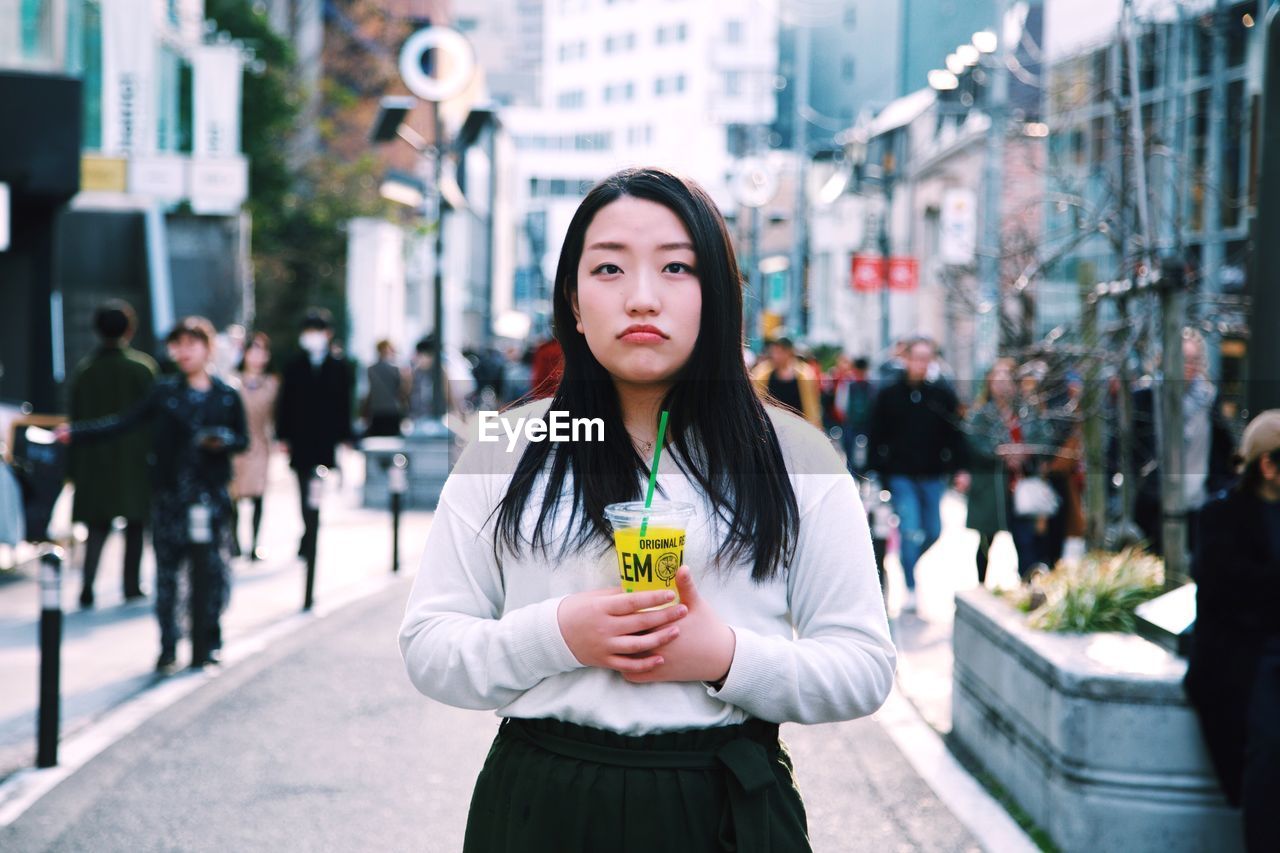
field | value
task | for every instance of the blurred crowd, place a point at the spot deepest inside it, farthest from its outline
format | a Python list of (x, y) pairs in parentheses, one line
[(1012, 442)]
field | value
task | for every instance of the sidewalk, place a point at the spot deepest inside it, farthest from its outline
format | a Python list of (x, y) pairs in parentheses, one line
[(108, 653), (924, 638)]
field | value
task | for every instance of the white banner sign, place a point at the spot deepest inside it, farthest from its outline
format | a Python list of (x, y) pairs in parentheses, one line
[(219, 187), (959, 227), (217, 72), (128, 77), (162, 177)]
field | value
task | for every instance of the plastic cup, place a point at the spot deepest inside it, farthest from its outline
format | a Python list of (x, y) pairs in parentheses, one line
[(650, 561)]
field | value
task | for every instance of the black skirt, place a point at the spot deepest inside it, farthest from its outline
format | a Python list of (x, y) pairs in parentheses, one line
[(554, 786)]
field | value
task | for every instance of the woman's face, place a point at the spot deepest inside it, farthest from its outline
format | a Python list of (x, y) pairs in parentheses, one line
[(257, 356), (639, 300), (1000, 382)]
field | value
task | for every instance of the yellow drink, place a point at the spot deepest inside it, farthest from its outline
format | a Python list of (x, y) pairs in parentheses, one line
[(649, 562)]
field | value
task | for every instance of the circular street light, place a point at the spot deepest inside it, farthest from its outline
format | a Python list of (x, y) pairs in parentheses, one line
[(968, 54), (985, 41), (955, 64), (943, 80)]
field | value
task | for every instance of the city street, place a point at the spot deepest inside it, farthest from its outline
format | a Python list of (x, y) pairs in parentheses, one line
[(311, 737), (321, 743), (108, 653)]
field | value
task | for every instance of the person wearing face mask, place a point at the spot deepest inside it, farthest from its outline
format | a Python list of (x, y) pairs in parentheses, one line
[(314, 408)]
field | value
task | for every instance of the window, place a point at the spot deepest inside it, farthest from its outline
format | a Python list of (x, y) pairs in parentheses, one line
[(850, 17), (733, 84), (679, 82), (846, 69), (574, 99), (682, 31), (733, 31)]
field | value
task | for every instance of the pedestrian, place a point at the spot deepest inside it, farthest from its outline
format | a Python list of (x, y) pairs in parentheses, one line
[(1233, 671), (259, 388), (313, 411), (996, 461), (1038, 496), (1207, 441), (111, 477), (384, 404), (916, 447), (421, 387), (855, 397), (625, 727), (197, 422), (789, 381)]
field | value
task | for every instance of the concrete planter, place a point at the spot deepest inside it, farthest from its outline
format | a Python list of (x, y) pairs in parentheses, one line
[(1091, 734)]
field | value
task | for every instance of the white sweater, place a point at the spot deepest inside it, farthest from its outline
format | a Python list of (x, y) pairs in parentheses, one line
[(813, 644)]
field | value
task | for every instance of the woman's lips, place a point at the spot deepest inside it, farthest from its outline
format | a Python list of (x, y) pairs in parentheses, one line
[(642, 334), (642, 338)]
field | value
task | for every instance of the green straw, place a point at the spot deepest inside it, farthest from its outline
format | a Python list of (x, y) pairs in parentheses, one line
[(653, 472)]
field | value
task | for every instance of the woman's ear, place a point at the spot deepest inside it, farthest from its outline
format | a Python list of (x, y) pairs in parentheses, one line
[(577, 315)]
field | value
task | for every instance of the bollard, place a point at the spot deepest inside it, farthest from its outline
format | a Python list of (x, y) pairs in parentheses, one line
[(50, 658), (397, 484), (315, 495), (200, 540)]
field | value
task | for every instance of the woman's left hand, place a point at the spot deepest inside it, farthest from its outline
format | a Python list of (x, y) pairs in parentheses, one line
[(704, 649)]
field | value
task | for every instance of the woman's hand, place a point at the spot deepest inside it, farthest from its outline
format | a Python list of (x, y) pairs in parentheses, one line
[(604, 627), (703, 650)]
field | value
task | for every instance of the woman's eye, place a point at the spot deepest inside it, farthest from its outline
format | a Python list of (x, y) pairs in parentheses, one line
[(607, 269), (678, 268)]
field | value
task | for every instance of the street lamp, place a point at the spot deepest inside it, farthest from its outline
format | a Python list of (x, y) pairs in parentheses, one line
[(436, 64), (985, 41)]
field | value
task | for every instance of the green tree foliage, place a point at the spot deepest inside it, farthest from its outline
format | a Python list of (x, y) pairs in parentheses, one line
[(299, 210)]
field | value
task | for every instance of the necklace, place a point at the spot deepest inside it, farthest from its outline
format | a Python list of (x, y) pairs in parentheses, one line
[(644, 446)]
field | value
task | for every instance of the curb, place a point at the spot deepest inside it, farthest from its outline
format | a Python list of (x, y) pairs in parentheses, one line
[(963, 796)]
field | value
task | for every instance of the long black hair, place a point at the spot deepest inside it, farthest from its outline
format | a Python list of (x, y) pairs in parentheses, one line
[(718, 430)]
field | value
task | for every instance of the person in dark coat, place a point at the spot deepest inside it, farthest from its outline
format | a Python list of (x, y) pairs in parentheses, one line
[(916, 446), (111, 477), (1233, 672), (198, 423), (314, 410)]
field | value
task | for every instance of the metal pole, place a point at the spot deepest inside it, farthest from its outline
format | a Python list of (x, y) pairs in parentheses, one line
[(438, 407), (397, 485), (1214, 252), (886, 342), (1137, 137), (796, 320), (315, 496), (988, 321), (1263, 388), (1173, 305), (50, 658), (755, 296)]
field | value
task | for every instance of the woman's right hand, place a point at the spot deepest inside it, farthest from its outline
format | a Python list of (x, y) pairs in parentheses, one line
[(605, 628)]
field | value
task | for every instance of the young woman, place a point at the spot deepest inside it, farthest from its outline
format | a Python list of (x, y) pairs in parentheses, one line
[(197, 422), (259, 387), (627, 728)]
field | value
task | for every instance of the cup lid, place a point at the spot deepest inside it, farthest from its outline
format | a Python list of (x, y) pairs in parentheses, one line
[(630, 513)]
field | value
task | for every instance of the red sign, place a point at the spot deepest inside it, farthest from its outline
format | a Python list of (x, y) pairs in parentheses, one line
[(904, 274), (868, 273)]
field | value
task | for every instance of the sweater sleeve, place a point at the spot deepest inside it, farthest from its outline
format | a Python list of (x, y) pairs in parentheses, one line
[(840, 662), (459, 645)]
